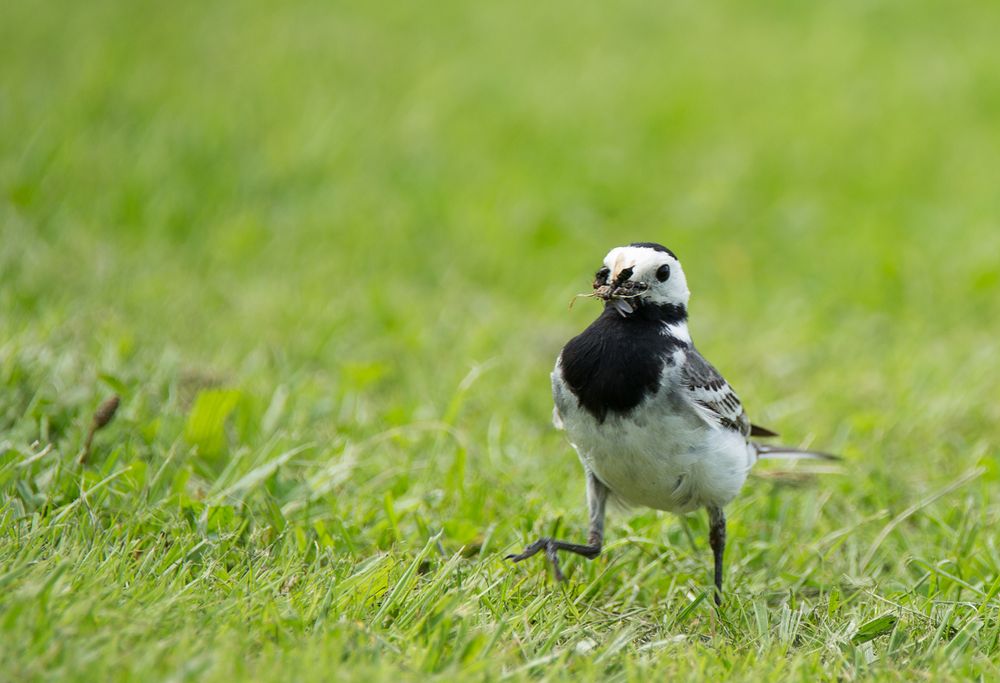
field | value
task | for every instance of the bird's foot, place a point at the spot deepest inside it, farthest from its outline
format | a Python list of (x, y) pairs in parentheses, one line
[(551, 546)]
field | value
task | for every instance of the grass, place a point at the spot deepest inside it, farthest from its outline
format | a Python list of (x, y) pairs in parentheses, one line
[(323, 253)]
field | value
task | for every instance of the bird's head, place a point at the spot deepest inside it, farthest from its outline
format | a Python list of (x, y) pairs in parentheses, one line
[(642, 276)]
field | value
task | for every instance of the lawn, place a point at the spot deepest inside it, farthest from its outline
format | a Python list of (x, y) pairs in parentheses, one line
[(323, 253)]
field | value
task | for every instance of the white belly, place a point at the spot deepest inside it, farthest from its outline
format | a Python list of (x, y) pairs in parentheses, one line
[(659, 457)]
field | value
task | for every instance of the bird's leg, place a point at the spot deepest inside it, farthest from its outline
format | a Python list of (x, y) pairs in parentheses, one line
[(717, 539), (597, 496)]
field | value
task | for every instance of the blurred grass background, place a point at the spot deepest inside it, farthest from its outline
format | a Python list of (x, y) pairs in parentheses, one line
[(324, 251)]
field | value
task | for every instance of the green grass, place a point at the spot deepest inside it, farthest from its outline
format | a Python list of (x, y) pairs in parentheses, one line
[(323, 252)]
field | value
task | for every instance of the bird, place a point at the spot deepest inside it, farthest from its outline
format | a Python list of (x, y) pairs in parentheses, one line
[(653, 422)]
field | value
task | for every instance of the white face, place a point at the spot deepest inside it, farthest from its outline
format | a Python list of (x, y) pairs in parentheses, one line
[(641, 274)]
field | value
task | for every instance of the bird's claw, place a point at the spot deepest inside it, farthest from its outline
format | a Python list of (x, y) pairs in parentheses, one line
[(551, 547)]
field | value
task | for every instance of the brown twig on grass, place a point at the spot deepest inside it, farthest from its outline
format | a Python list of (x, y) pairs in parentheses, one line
[(104, 414)]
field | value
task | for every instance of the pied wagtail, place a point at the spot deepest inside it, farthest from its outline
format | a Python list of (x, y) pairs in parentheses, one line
[(653, 422)]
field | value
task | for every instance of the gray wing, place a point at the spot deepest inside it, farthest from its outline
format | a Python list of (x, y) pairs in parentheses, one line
[(711, 395), (558, 394)]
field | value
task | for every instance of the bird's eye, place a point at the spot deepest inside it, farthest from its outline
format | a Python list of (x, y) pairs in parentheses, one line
[(663, 272), (602, 274)]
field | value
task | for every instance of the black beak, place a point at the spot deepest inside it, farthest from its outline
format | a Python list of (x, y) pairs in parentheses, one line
[(623, 277)]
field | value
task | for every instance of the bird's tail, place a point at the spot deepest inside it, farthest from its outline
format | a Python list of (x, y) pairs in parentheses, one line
[(789, 453)]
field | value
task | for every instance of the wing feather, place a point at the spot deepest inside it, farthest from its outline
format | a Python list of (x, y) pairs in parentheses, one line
[(712, 396)]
